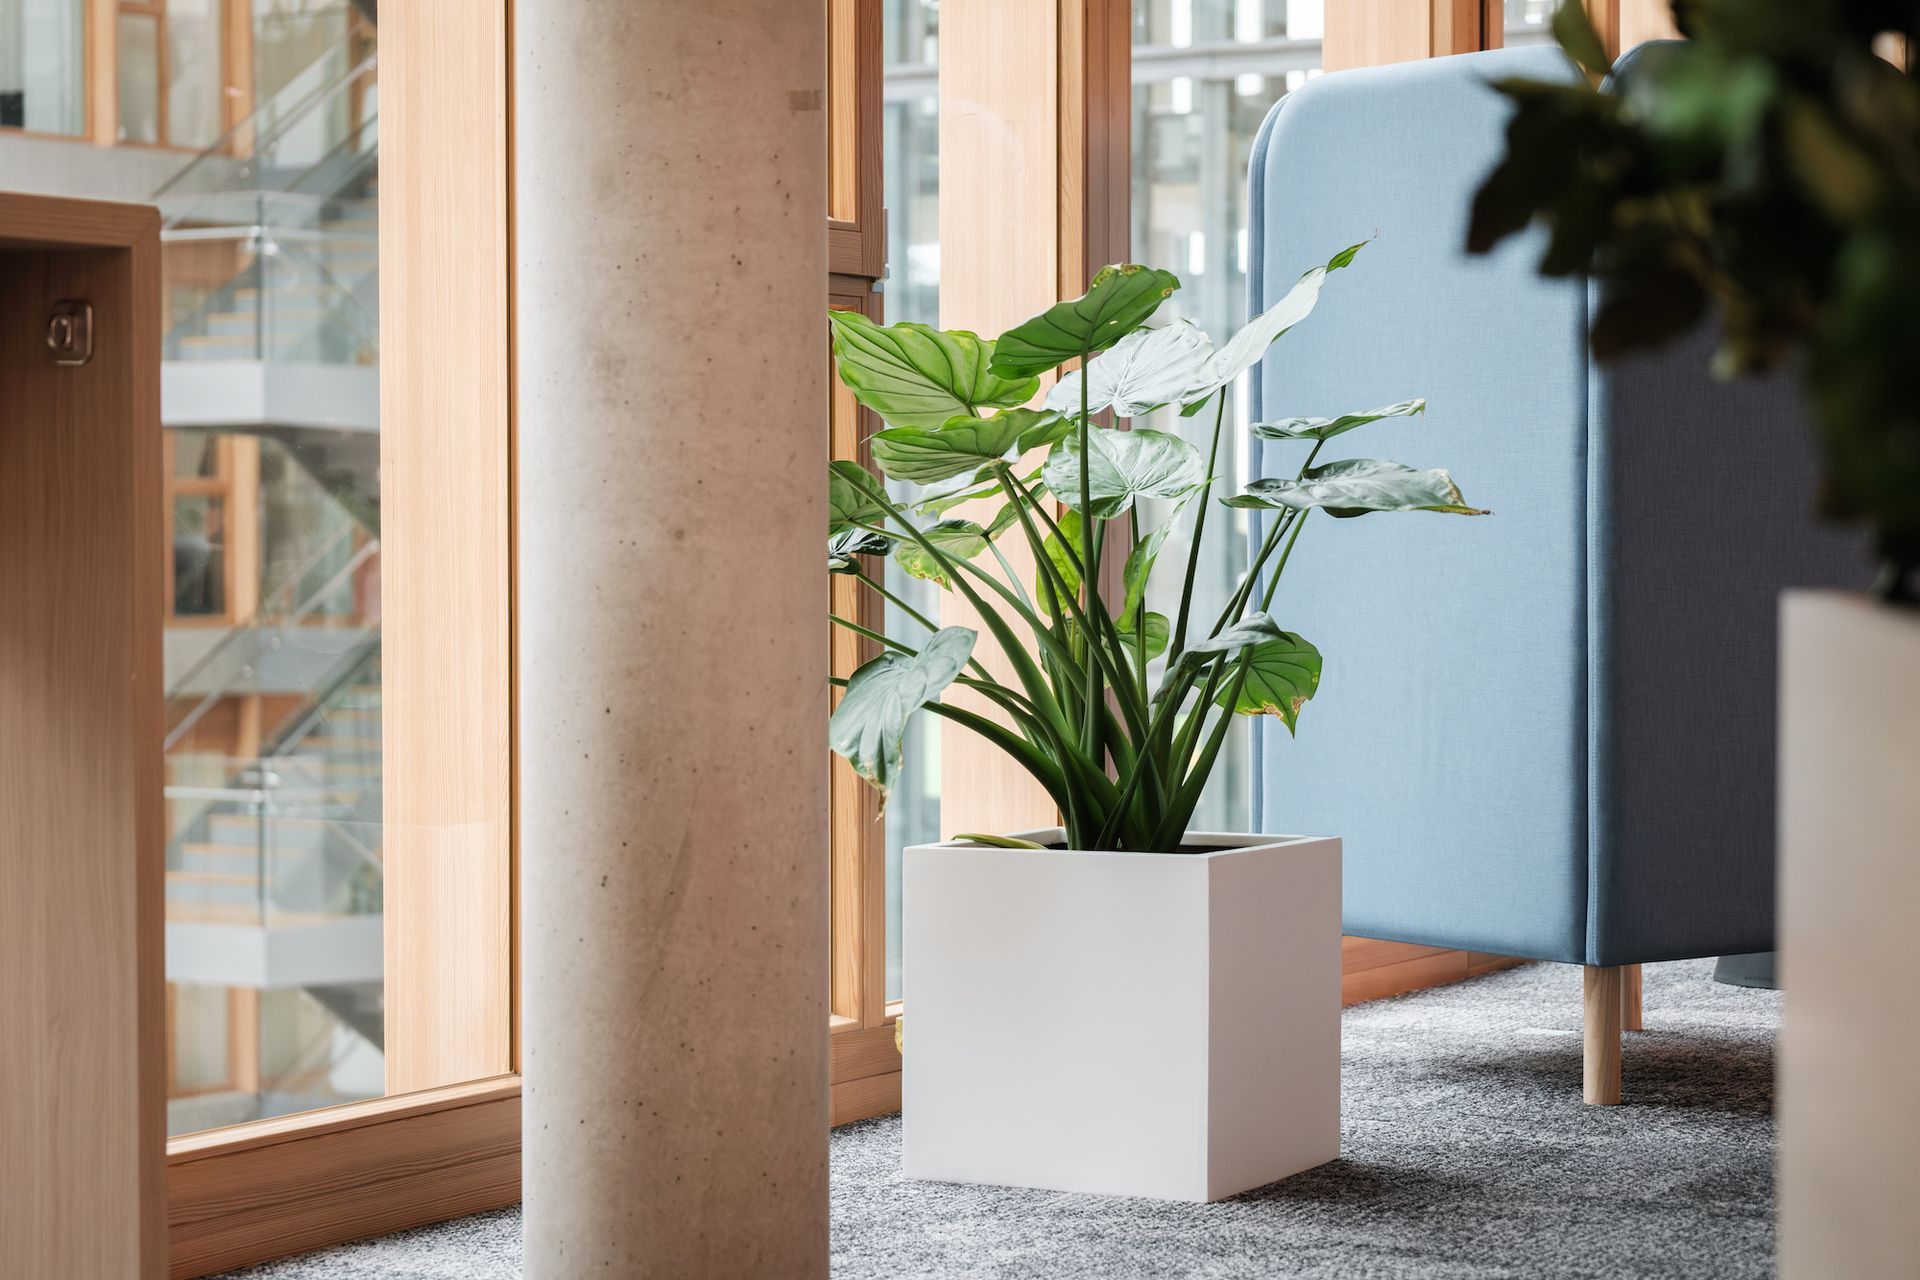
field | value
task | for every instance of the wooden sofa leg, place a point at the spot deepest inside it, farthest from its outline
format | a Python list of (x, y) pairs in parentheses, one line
[(1605, 994), (1630, 1019)]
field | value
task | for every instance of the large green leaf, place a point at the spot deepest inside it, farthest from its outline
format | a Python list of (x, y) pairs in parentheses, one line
[(1065, 556), (1117, 302), (1358, 486), (914, 375), (1126, 465), (883, 695), (1144, 370), (1158, 630), (842, 547), (938, 499), (961, 445), (853, 497), (1281, 675), (956, 539), (1254, 629), (1139, 566), (1245, 348), (1328, 428)]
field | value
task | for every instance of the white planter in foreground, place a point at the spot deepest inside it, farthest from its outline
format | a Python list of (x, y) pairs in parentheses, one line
[(1162, 1025), (1848, 1104)]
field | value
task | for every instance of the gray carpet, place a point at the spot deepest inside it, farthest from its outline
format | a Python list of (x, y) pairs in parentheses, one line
[(1468, 1154)]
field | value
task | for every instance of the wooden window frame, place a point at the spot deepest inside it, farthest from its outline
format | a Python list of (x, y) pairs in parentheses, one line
[(235, 42), (865, 1064), (445, 1141)]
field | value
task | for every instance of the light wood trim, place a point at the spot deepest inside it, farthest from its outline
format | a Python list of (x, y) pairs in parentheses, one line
[(1368, 33), (1096, 137), (1631, 1015), (1416, 972), (1479, 962), (1627, 23), (1602, 991), (1464, 26), (236, 78), (858, 965), (1000, 236), (262, 1191), (102, 68), (83, 1115), (444, 457), (1371, 33), (856, 216), (865, 1098), (843, 89), (864, 1051), (243, 1036), (241, 521)]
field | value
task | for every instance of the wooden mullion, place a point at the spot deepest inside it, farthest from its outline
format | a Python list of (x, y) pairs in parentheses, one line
[(856, 222), (858, 833)]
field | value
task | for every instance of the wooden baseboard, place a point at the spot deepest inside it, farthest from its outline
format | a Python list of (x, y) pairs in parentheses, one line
[(262, 1191), (1373, 970)]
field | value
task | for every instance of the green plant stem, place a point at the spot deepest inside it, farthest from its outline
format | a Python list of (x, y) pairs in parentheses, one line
[(1090, 567), (1012, 577), (871, 634), (1179, 640), (897, 602), (1283, 521), (910, 611), (1030, 676), (1273, 583), (1048, 571), (1140, 613)]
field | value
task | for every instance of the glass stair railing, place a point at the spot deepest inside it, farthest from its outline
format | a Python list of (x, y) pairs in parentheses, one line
[(292, 836), (271, 236), (270, 254)]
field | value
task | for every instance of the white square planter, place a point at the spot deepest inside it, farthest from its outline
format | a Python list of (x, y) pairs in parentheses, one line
[(1162, 1025)]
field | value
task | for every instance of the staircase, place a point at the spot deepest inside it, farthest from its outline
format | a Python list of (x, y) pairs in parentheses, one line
[(270, 262), (292, 837)]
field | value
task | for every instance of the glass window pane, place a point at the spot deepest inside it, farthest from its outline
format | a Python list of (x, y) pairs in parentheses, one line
[(199, 556), (1527, 21), (195, 85), (275, 756), (138, 76), (195, 455), (1192, 138), (42, 66), (912, 171)]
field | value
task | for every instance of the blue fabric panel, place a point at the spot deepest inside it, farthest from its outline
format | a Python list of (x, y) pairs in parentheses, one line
[(1448, 743), (1701, 494)]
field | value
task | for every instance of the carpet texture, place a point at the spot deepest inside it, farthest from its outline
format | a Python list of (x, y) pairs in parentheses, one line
[(1467, 1154)]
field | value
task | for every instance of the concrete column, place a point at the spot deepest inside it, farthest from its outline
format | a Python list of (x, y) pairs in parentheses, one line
[(670, 196)]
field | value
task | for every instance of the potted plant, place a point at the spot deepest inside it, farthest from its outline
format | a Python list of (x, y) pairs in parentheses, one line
[(1766, 172), (1117, 1004)]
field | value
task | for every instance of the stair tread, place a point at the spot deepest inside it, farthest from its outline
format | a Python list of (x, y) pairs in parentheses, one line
[(210, 877)]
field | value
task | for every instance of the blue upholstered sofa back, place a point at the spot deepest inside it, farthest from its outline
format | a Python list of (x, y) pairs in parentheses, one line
[(1546, 732)]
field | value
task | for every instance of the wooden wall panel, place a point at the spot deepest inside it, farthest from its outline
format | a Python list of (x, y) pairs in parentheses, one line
[(1371, 33), (444, 452), (83, 1055), (1626, 23), (1368, 33), (1000, 184)]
